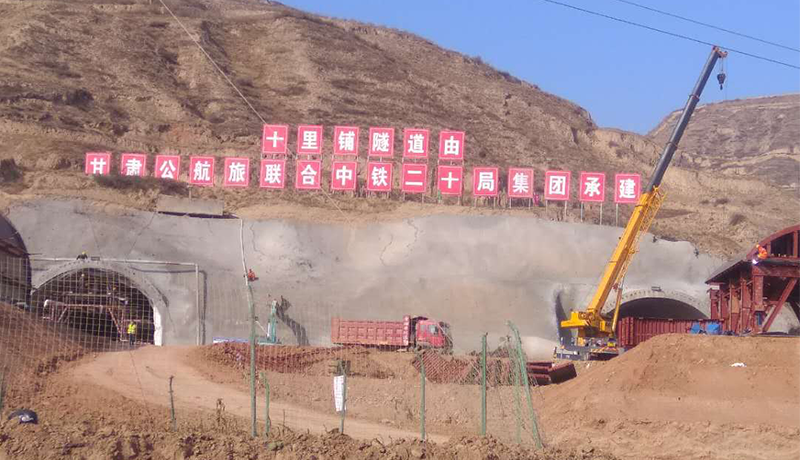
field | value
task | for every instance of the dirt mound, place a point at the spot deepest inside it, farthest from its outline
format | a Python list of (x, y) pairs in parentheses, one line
[(60, 98), (686, 384), (32, 348), (299, 360)]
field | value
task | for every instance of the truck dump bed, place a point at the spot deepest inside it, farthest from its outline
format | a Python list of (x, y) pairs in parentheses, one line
[(375, 333)]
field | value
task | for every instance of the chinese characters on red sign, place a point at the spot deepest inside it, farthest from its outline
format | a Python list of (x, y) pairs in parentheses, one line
[(415, 178), (201, 171), (97, 163), (450, 180), (273, 174), (379, 177), (451, 145), (592, 187), (627, 188), (343, 175), (556, 185), (520, 182), (308, 175), (274, 140), (237, 172), (133, 164), (415, 143), (345, 140), (484, 181)]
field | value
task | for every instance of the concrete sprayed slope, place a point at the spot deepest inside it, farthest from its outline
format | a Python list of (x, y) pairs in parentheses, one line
[(476, 272)]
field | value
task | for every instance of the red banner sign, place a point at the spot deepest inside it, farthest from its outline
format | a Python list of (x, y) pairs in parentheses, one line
[(451, 145), (556, 185), (343, 175), (133, 164), (415, 143), (274, 139), (97, 163), (379, 177), (201, 171), (345, 140), (484, 181), (627, 188), (450, 179), (593, 187), (381, 142), (308, 175), (309, 140), (415, 178), (168, 167), (273, 174), (237, 172), (520, 182)]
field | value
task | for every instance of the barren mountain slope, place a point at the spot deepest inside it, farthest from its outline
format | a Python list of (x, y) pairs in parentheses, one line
[(123, 76), (744, 137)]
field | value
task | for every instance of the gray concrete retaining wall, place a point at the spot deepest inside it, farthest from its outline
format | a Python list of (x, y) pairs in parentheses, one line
[(476, 272)]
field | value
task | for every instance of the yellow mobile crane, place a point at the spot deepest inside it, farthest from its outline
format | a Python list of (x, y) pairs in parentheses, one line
[(595, 334)]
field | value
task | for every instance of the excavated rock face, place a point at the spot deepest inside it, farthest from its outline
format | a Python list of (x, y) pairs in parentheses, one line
[(122, 75), (743, 137)]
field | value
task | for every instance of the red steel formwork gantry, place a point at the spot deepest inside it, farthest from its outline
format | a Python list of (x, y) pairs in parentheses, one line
[(748, 296)]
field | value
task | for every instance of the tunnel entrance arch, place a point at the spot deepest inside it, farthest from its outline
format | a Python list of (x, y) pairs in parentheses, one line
[(15, 267), (652, 303), (100, 298)]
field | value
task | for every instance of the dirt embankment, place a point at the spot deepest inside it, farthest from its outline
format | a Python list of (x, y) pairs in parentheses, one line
[(673, 397), (114, 405), (678, 396)]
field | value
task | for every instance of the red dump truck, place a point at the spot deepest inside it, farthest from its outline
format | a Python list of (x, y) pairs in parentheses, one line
[(411, 332)]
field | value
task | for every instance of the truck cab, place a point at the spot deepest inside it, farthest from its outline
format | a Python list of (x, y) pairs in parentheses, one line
[(430, 333)]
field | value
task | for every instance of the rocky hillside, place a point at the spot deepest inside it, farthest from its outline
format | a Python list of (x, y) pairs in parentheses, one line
[(744, 137), (122, 75)]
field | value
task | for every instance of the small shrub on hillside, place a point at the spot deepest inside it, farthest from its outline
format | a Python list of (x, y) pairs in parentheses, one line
[(736, 219), (134, 183), (9, 171), (720, 201)]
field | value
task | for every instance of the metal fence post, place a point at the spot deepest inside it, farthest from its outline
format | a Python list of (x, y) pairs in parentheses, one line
[(253, 416), (524, 377), (483, 385), (172, 405), (3, 388), (422, 402), (267, 420), (343, 371)]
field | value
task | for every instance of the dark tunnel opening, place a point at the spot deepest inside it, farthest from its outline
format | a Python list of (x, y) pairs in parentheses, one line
[(99, 303), (660, 308)]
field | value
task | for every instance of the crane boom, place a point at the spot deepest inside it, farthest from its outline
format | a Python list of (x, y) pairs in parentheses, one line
[(590, 323)]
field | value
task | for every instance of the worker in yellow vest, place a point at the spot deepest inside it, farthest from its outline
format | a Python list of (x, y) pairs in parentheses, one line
[(132, 332)]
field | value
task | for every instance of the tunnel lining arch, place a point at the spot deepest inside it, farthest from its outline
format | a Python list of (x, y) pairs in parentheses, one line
[(642, 294), (157, 300)]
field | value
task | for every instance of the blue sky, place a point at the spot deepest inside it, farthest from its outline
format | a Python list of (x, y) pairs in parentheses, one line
[(626, 77)]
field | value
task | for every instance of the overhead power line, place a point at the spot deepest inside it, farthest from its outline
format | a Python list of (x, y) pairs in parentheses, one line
[(704, 24), (673, 34)]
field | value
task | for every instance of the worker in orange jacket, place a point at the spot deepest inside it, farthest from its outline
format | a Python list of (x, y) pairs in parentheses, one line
[(761, 254)]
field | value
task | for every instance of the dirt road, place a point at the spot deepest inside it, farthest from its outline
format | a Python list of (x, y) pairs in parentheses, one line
[(143, 375)]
